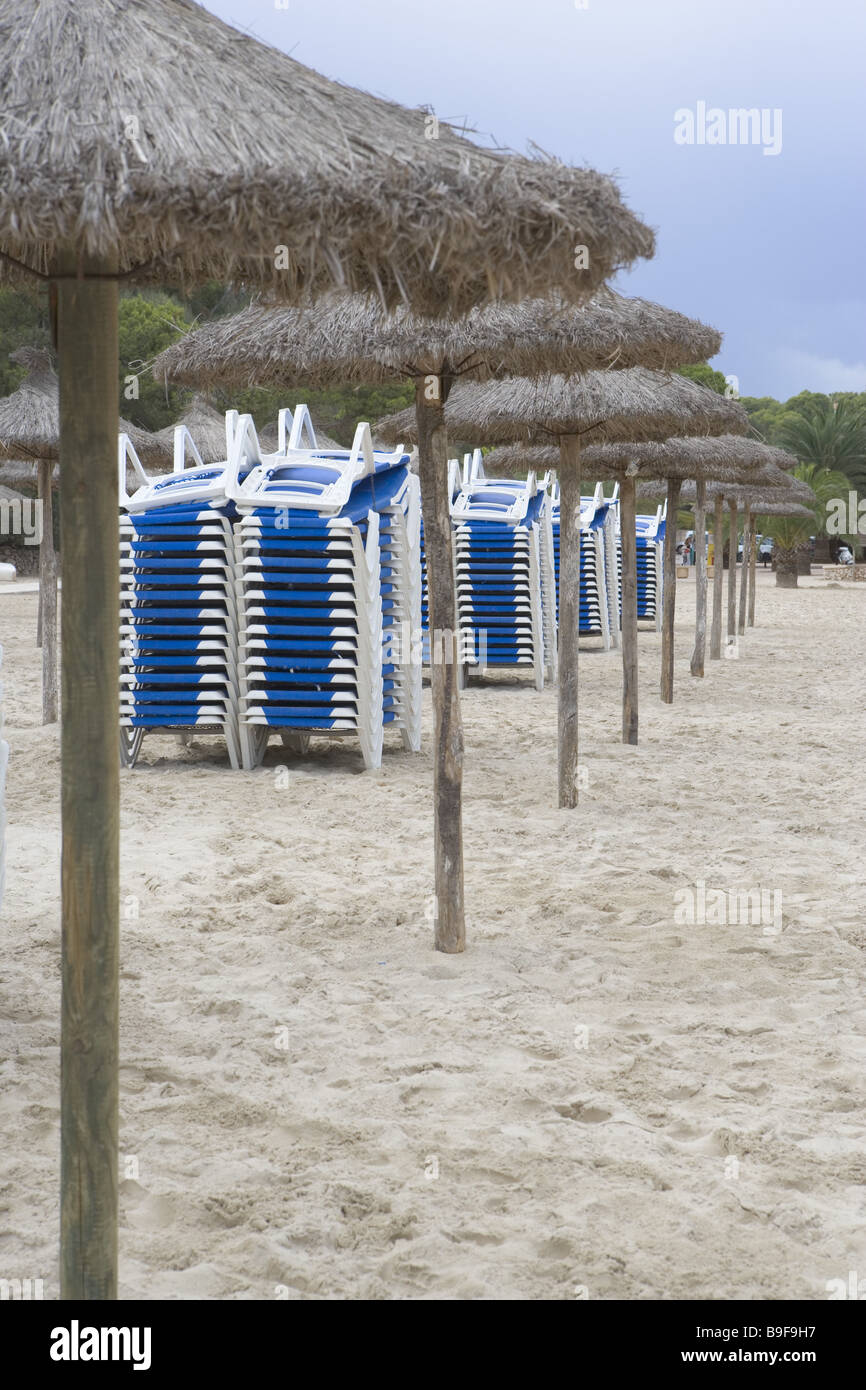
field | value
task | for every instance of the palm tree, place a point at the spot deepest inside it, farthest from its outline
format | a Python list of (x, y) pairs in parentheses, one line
[(828, 434), (792, 534)]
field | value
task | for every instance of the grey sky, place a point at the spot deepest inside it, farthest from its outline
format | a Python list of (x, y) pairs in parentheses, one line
[(767, 247)]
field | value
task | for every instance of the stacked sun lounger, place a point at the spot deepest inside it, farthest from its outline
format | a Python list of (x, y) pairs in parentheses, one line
[(612, 564), (597, 563), (498, 526), (457, 477), (327, 558), (178, 618), (649, 541)]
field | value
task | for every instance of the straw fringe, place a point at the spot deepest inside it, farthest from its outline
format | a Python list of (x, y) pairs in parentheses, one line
[(349, 340), (30, 417), (151, 128), (634, 404)]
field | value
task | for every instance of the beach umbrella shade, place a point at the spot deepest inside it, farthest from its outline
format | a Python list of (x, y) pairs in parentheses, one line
[(773, 487), (632, 404), (350, 340), (729, 458), (205, 424), (148, 140), (30, 431), (732, 458)]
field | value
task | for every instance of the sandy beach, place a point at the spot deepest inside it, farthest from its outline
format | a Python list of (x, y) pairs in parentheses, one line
[(597, 1100)]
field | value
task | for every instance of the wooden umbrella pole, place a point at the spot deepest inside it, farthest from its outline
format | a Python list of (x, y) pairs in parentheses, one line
[(48, 595), (697, 663), (732, 571), (718, 579), (449, 920), (753, 575), (744, 573), (669, 598), (569, 618), (628, 536), (87, 351), (39, 596)]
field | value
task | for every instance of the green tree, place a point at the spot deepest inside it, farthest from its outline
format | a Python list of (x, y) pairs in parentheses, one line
[(23, 323), (336, 410), (147, 323), (828, 434), (792, 534), (705, 375), (765, 414)]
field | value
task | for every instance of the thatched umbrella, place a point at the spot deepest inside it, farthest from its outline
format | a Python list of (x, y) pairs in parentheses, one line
[(732, 459), (771, 482), (207, 427), (265, 171), (728, 458), (635, 405), (771, 486), (30, 430), (269, 439), (350, 340)]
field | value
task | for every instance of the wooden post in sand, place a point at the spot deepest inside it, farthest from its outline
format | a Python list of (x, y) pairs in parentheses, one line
[(753, 572), (450, 925), (569, 618), (90, 777), (718, 578), (669, 598), (697, 663), (732, 572), (48, 595), (744, 573), (628, 537)]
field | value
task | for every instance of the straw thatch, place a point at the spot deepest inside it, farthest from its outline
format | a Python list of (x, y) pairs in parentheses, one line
[(635, 404), (727, 457), (761, 507), (269, 439), (206, 424), (350, 340), (152, 128), (30, 416), (769, 485)]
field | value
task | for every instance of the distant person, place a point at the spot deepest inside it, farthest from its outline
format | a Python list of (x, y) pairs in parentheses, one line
[(845, 556)]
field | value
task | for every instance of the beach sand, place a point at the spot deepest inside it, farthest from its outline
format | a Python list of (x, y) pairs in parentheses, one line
[(597, 1099)]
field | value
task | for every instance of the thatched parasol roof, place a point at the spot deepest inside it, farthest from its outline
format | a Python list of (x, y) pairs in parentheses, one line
[(30, 417), (635, 404), (780, 488), (728, 457), (349, 339), (761, 507), (206, 424), (152, 128)]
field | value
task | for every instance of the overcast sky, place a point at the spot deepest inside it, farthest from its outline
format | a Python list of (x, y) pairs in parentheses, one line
[(768, 247)]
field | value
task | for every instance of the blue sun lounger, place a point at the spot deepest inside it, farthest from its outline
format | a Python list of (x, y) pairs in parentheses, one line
[(328, 582), (497, 539), (178, 611)]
